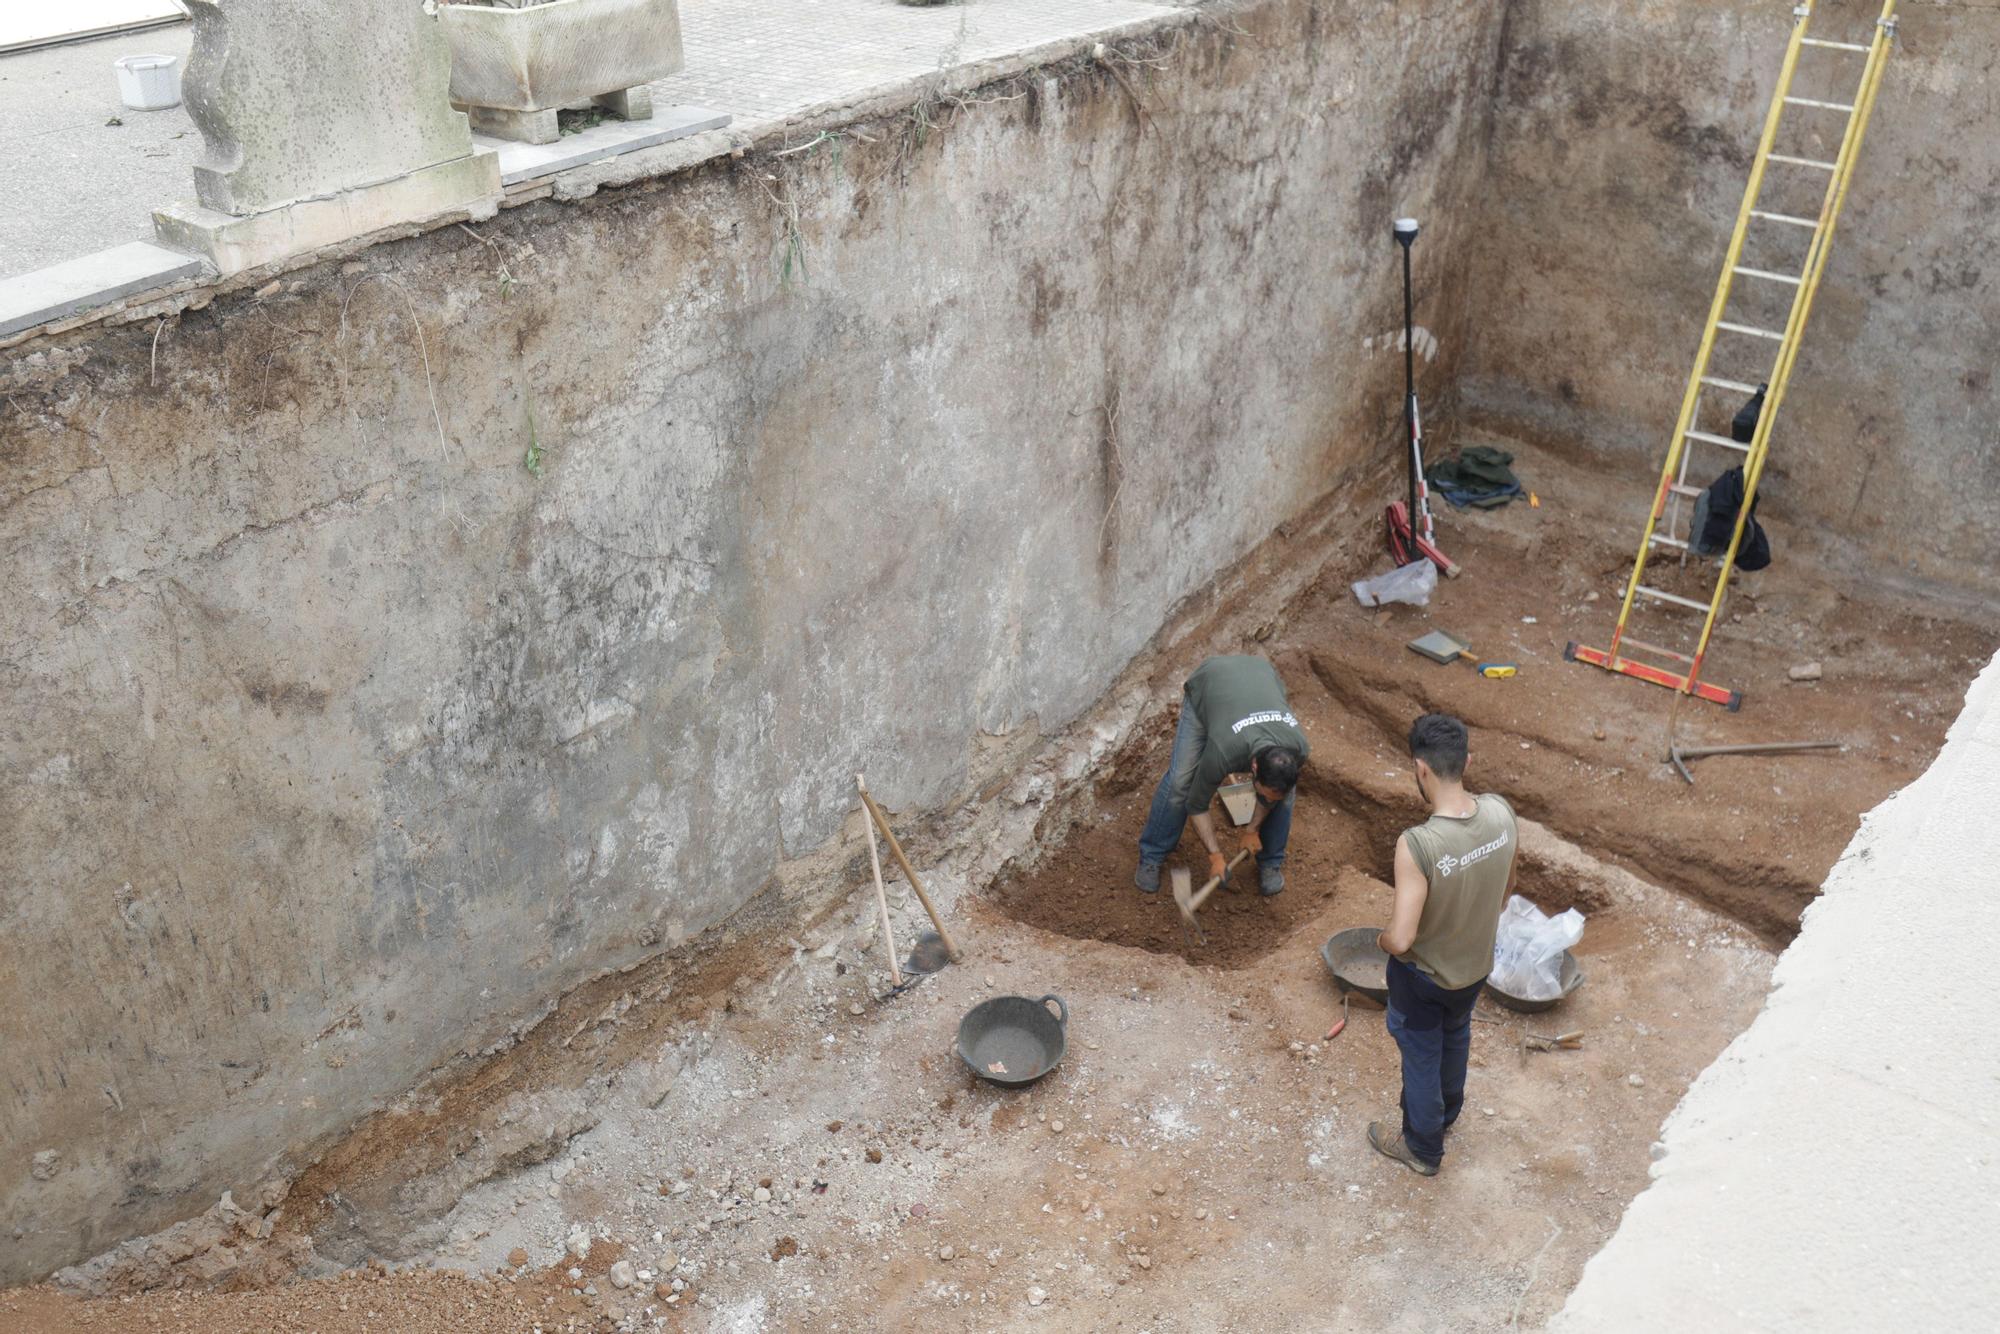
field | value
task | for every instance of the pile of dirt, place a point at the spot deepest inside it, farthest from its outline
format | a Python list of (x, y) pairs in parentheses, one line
[(1083, 887)]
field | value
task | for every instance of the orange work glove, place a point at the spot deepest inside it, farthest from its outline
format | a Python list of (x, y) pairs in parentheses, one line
[(1217, 867), (1253, 842)]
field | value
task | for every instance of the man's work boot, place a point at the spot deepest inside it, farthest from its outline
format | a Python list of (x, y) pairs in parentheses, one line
[(1388, 1142), (1147, 877), (1270, 880)]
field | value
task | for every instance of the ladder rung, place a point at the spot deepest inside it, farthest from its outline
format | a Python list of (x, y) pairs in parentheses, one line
[(1655, 648), (1823, 106), (1806, 162), (1676, 598), (1674, 542), (1746, 329), (1682, 490), (1784, 217), (1722, 440), (1749, 272), (1734, 386), (1836, 46)]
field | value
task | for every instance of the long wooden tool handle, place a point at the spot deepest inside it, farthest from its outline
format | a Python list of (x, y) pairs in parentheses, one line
[(1201, 895), (902, 860), (881, 896)]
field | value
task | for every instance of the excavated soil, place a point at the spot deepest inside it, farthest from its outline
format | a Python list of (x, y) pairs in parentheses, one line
[(1580, 749), (813, 1159), (1067, 891), (1083, 888)]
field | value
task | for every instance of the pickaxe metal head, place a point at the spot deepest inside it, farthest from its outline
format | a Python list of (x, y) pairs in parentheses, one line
[(1184, 900)]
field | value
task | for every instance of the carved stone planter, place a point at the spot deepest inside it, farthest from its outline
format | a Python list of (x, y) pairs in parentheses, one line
[(512, 70)]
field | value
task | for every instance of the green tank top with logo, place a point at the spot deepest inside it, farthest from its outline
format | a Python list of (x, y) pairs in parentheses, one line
[(1468, 864)]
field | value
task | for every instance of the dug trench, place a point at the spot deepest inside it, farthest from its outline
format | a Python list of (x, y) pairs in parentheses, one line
[(1345, 829), (749, 1122)]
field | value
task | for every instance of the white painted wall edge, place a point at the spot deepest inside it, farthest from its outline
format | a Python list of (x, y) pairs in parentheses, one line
[(25, 25)]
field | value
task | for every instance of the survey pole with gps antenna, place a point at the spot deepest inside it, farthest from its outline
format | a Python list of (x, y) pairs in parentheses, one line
[(1411, 533), (1420, 517)]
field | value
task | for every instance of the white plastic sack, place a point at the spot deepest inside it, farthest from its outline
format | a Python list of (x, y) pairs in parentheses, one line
[(1528, 949), (1412, 583)]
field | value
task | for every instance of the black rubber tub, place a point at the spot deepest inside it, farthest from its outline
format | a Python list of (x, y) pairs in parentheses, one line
[(1013, 1041)]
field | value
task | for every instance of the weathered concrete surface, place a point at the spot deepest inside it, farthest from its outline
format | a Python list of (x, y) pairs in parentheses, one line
[(1834, 1169), (1621, 144), (364, 690)]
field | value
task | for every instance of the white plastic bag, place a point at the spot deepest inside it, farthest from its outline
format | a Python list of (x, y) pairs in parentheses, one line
[(1412, 583), (1528, 949)]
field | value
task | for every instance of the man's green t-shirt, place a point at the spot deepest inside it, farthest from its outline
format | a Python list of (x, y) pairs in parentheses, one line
[(1468, 863), (1242, 707)]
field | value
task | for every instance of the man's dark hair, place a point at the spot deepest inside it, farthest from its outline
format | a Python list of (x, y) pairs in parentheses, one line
[(1439, 740), (1278, 768)]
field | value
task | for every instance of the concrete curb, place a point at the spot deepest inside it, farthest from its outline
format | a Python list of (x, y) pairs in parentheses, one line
[(71, 288)]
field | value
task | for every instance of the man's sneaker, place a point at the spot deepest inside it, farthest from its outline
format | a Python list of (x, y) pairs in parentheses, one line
[(1147, 877), (1388, 1142), (1270, 880)]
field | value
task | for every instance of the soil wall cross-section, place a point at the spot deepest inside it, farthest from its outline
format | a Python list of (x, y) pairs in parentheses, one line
[(1623, 135), (388, 651)]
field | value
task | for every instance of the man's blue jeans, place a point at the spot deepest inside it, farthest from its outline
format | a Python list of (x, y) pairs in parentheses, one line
[(1434, 1028), (1169, 815)]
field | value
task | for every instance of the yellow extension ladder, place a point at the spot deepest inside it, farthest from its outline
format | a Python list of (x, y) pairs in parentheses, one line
[(1674, 487)]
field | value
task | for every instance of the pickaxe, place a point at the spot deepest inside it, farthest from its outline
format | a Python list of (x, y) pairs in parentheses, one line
[(1680, 755), (1190, 904)]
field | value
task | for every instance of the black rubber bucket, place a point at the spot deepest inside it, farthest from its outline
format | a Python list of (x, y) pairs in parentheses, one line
[(1013, 1041), (1358, 963)]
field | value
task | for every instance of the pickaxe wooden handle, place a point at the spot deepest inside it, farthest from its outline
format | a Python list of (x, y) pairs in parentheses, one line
[(1190, 904), (1200, 896), (909, 871)]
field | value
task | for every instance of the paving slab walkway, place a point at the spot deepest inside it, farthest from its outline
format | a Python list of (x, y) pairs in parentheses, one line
[(76, 183)]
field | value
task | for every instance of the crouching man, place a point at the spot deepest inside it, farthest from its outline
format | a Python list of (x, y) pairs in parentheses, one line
[(1234, 720), (1453, 874)]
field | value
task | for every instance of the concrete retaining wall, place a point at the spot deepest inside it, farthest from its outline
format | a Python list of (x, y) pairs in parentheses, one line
[(1621, 143), (360, 692), (1833, 1170)]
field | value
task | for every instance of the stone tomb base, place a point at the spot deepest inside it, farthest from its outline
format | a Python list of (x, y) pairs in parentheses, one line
[(234, 243)]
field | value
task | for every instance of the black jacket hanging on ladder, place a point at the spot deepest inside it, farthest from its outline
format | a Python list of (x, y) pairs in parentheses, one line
[(1715, 509), (1715, 520)]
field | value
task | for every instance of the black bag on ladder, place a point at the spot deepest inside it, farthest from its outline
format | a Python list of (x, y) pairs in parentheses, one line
[(1744, 424), (1715, 520)]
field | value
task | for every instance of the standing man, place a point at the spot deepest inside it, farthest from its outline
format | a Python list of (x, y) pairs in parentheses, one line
[(1453, 874), (1234, 720)]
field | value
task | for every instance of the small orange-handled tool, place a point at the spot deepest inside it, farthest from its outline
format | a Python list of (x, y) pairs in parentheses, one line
[(1339, 1023)]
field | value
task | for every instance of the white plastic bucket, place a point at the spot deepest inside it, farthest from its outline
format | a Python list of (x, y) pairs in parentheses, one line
[(149, 83)]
